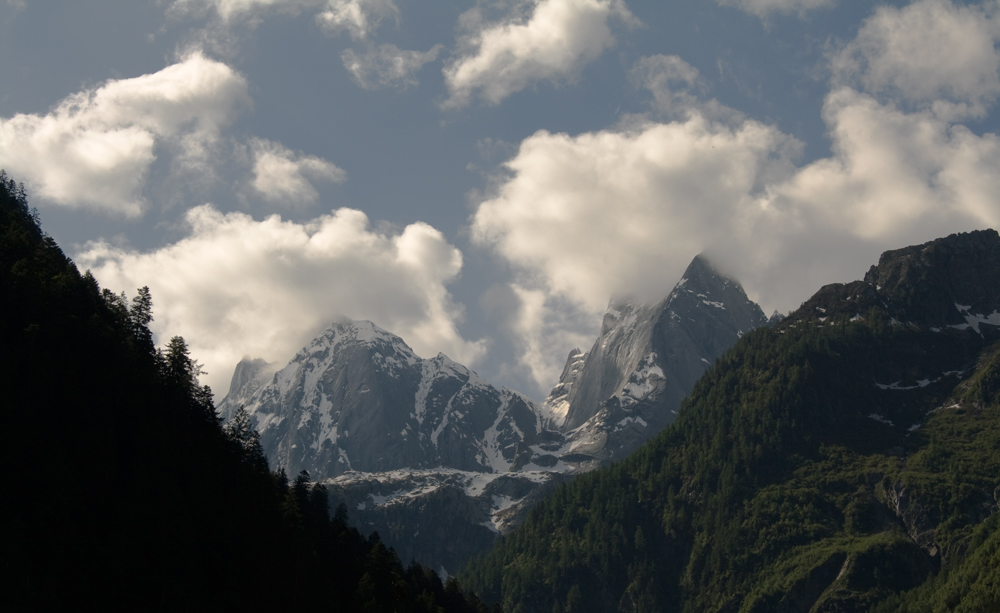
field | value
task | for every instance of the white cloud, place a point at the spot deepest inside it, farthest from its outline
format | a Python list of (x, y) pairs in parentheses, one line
[(893, 175), (95, 148), (541, 40), (17, 5), (763, 8), (931, 54), (620, 211), (589, 213), (358, 17), (235, 286), (387, 65), (284, 176), (586, 216)]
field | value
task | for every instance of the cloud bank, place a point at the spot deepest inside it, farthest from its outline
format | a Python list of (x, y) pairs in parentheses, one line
[(235, 286), (95, 148), (539, 40), (582, 217)]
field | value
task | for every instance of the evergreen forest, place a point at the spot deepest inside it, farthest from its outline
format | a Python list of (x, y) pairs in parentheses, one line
[(125, 492), (846, 459)]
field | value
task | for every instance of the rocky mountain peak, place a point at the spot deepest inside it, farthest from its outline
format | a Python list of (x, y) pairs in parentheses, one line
[(247, 371), (647, 358), (357, 398), (250, 375)]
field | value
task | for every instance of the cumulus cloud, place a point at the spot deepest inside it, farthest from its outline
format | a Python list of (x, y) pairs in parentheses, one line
[(619, 211), (931, 54), (235, 286), (387, 65), (95, 148), (281, 175), (764, 8), (582, 217), (539, 40)]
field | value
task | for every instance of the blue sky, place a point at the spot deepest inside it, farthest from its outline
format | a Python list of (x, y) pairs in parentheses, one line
[(481, 177)]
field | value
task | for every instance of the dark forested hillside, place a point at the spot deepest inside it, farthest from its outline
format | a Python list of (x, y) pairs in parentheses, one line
[(122, 492), (845, 459)]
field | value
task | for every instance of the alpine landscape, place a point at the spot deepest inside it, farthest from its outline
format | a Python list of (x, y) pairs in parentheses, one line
[(378, 306), (436, 459)]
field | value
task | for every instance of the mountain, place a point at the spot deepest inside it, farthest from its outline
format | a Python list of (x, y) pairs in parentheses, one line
[(647, 358), (422, 451), (437, 460), (843, 459), (357, 398)]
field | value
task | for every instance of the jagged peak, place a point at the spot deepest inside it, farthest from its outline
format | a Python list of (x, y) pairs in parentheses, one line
[(246, 371), (701, 271)]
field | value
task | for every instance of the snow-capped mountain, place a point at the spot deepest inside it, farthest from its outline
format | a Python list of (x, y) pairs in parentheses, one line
[(646, 360), (359, 399), (405, 442), (438, 460)]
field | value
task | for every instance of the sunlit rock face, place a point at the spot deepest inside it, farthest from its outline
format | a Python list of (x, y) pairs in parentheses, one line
[(646, 360)]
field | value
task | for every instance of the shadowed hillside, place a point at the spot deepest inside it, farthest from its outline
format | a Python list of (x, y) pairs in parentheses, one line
[(124, 493)]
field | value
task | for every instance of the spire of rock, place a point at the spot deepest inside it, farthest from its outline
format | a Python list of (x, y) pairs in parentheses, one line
[(648, 357)]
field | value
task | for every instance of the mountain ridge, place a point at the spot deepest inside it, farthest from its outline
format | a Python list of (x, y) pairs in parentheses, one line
[(440, 432), (830, 463), (358, 398)]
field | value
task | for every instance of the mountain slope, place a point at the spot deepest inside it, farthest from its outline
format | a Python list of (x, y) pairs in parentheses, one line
[(647, 358), (829, 463), (122, 492)]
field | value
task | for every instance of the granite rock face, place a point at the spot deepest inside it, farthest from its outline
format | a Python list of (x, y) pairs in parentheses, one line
[(646, 360)]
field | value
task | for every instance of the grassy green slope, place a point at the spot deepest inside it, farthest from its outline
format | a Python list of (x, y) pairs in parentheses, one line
[(790, 482)]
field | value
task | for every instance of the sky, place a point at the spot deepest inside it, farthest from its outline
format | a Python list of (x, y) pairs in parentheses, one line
[(481, 177)]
